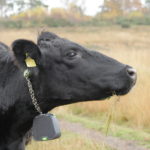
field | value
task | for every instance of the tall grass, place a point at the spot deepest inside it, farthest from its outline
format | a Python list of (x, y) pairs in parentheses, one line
[(130, 46), (68, 141)]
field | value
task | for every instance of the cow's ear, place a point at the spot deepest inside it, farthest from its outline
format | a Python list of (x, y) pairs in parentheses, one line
[(26, 52)]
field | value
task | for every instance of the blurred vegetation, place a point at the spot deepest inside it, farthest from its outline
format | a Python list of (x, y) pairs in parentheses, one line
[(68, 141), (34, 13), (141, 137)]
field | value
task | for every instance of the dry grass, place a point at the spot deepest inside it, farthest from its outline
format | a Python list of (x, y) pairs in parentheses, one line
[(130, 46), (68, 141)]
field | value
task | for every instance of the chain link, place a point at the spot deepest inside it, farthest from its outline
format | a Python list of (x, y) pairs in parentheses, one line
[(31, 91)]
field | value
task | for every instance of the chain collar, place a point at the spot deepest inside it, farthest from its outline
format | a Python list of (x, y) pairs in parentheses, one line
[(31, 91)]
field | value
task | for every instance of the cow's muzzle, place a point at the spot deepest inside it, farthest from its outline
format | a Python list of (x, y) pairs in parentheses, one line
[(131, 72), (129, 82)]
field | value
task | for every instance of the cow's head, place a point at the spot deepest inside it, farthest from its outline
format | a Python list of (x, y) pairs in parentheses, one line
[(67, 72)]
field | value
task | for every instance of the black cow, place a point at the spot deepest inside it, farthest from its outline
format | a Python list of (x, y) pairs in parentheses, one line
[(65, 73)]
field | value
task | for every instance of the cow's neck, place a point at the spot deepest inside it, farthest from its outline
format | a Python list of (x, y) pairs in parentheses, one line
[(16, 109)]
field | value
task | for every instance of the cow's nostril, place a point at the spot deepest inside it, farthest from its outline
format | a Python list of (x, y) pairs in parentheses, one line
[(131, 73)]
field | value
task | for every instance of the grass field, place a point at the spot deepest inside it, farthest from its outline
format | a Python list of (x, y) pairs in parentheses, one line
[(69, 141), (130, 46)]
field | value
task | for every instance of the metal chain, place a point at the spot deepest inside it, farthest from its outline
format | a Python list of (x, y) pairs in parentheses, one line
[(31, 91)]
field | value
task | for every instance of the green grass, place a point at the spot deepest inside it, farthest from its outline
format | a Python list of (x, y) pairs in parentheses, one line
[(122, 132), (68, 141)]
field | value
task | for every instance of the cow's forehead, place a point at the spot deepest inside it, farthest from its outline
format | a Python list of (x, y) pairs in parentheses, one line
[(51, 44), (52, 39), (47, 36), (66, 44)]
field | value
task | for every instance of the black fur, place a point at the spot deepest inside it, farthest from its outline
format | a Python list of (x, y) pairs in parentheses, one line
[(66, 73)]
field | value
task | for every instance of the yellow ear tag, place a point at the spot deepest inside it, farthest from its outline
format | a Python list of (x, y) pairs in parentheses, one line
[(30, 62)]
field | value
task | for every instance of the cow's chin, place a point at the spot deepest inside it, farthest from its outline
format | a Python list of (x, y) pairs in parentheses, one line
[(121, 91), (117, 92)]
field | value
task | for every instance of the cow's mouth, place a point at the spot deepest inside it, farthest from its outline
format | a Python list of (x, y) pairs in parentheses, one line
[(119, 92), (123, 91), (127, 88)]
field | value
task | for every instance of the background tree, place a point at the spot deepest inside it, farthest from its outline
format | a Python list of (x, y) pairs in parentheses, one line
[(136, 4), (21, 5), (2, 7), (111, 9), (5, 7), (75, 9), (126, 6), (147, 9), (147, 3), (36, 3), (121, 7), (75, 5)]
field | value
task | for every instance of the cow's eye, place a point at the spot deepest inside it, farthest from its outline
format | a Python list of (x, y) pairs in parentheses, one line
[(71, 54)]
